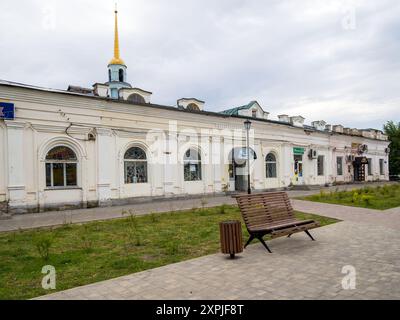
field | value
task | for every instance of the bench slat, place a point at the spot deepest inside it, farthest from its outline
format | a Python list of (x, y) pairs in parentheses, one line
[(271, 212)]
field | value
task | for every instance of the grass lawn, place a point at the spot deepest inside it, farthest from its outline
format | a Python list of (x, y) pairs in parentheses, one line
[(380, 198), (97, 251)]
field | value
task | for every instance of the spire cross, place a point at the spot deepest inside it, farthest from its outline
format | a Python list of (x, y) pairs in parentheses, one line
[(116, 59), (116, 40)]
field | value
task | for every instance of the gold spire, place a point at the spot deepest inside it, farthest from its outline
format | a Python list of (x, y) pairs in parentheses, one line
[(116, 59)]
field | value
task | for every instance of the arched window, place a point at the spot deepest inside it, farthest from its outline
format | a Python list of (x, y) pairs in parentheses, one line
[(61, 168), (109, 75), (193, 107), (192, 165), (136, 98), (121, 75), (270, 162), (135, 161)]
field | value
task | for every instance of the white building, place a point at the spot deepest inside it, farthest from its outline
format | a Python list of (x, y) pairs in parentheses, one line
[(111, 145)]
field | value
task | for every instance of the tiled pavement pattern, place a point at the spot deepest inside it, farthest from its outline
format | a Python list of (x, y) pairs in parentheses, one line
[(387, 218), (46, 219), (298, 269)]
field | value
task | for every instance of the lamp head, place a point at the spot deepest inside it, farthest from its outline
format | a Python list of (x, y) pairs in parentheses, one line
[(247, 125)]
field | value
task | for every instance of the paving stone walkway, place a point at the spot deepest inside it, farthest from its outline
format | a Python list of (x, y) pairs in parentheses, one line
[(54, 218), (368, 240)]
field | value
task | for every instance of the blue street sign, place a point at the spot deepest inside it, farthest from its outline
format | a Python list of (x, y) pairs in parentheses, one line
[(7, 111)]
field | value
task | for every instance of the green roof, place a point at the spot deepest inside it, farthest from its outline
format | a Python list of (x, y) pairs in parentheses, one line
[(235, 111)]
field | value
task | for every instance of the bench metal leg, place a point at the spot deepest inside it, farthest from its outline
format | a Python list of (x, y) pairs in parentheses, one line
[(264, 244), (309, 234), (289, 235), (250, 240)]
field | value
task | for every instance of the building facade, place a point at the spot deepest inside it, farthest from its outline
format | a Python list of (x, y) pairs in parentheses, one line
[(111, 145)]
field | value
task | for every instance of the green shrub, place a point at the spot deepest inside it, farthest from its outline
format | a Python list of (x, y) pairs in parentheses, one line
[(367, 190), (133, 232), (86, 242), (154, 218), (43, 245), (341, 194), (385, 190), (138, 240), (366, 199), (355, 197), (172, 248), (203, 202), (222, 209)]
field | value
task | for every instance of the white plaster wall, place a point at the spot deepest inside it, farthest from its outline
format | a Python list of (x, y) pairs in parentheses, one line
[(30, 164), (3, 165), (43, 117), (269, 183), (66, 197)]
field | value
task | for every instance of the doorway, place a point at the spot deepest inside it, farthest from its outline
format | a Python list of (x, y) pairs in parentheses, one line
[(298, 169), (359, 168), (238, 168)]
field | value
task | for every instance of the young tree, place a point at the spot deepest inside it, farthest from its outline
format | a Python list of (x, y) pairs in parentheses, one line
[(392, 130)]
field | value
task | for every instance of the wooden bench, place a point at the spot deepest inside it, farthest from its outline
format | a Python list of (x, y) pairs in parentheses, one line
[(271, 213)]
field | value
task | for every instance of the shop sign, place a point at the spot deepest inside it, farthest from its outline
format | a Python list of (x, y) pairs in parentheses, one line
[(7, 111), (298, 151)]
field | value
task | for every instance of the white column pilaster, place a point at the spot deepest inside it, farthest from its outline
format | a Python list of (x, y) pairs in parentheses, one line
[(105, 165), (16, 175), (217, 162), (172, 165)]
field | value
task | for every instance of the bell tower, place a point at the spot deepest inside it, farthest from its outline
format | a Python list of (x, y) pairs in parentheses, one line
[(116, 67)]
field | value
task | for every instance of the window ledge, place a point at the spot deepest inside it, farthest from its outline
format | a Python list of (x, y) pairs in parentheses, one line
[(62, 188), (136, 184)]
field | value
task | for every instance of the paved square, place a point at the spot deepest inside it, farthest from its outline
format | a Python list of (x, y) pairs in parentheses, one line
[(297, 269)]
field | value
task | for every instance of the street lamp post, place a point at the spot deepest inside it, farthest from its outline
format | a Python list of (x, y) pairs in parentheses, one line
[(247, 126)]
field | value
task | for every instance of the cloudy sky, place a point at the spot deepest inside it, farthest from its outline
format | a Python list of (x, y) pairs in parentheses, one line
[(333, 60)]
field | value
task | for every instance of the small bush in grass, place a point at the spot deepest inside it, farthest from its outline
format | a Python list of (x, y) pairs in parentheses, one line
[(203, 202), (86, 242), (134, 236), (172, 248), (132, 220), (138, 240), (154, 218), (342, 194), (366, 199), (202, 212), (335, 194), (171, 208), (355, 197), (43, 245), (222, 209), (367, 190), (385, 190)]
